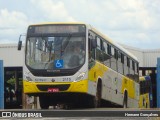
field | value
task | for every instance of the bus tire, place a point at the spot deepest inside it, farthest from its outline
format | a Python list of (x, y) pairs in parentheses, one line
[(43, 103), (96, 100), (146, 105), (125, 100)]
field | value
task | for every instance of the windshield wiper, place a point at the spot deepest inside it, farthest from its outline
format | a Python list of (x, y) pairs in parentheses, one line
[(68, 41)]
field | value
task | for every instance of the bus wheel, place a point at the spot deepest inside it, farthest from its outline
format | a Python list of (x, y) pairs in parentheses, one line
[(125, 101), (43, 103), (146, 105), (96, 100)]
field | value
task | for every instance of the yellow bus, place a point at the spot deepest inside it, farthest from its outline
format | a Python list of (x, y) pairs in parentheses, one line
[(73, 63), (146, 100)]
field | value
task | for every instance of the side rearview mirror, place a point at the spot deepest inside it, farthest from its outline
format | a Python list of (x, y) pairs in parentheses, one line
[(20, 41), (19, 45)]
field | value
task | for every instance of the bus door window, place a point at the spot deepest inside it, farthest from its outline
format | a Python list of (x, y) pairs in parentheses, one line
[(92, 49), (92, 45), (99, 55)]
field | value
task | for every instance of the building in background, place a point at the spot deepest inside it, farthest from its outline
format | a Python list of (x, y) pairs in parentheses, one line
[(13, 70), (147, 65)]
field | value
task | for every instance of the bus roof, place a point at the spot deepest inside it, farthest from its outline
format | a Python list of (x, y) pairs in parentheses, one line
[(96, 31), (50, 23), (114, 43)]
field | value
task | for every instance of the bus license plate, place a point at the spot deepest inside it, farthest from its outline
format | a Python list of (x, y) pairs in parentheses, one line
[(53, 90)]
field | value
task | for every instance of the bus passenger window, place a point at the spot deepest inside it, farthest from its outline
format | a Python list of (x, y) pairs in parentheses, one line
[(137, 68), (133, 65), (113, 59), (116, 54), (122, 58), (105, 47), (106, 55), (120, 64), (112, 51), (126, 69), (128, 62), (109, 49), (99, 55), (98, 43), (131, 69)]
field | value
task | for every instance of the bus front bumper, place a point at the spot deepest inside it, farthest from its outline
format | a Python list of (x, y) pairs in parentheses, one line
[(50, 87)]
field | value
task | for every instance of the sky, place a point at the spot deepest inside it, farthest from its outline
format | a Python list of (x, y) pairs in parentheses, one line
[(130, 22)]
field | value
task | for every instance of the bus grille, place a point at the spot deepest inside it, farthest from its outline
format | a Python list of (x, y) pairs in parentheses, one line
[(46, 87)]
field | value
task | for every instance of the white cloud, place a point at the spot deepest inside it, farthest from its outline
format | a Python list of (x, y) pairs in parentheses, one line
[(12, 19), (12, 24), (128, 14), (126, 21), (53, 10)]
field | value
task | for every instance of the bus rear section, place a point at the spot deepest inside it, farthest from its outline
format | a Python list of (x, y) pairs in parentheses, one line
[(146, 100)]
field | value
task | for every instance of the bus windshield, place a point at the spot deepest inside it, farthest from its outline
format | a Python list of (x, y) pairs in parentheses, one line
[(55, 52)]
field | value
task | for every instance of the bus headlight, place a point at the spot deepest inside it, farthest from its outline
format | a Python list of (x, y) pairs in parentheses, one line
[(80, 77), (28, 78)]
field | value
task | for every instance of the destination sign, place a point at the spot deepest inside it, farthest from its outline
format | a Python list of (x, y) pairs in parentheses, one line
[(42, 29)]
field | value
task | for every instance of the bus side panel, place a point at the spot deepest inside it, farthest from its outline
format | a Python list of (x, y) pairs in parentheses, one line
[(129, 86), (111, 83), (112, 87), (144, 101), (96, 72)]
